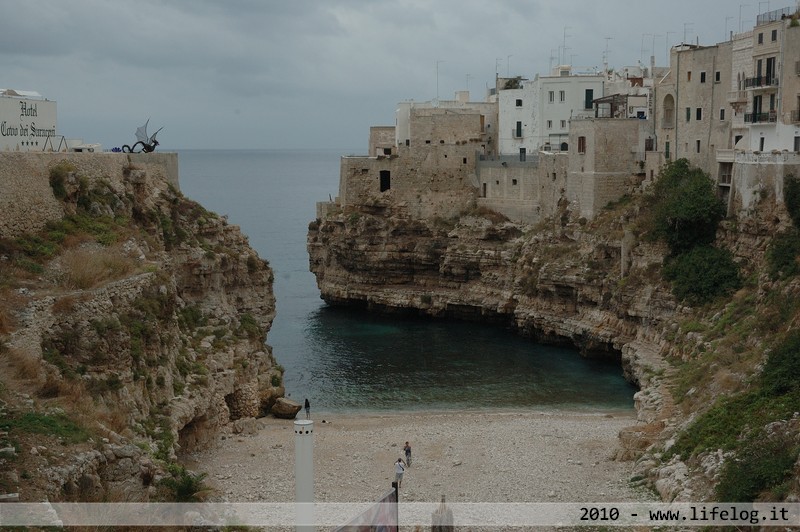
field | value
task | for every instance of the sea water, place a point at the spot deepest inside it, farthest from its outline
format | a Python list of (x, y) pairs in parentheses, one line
[(349, 361)]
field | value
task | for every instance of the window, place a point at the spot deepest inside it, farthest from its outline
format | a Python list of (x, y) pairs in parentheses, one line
[(761, 144), (588, 97), (581, 144), (774, 35), (797, 144), (513, 181), (666, 150), (523, 155), (519, 102), (689, 76), (702, 77), (518, 130), (722, 114), (688, 113), (760, 38), (549, 124), (563, 124), (698, 146), (552, 96), (699, 113), (562, 96), (717, 76)]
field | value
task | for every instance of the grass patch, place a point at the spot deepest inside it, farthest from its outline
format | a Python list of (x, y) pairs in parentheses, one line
[(87, 268), (59, 426)]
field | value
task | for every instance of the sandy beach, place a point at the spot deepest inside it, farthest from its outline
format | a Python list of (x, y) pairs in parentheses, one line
[(466, 456)]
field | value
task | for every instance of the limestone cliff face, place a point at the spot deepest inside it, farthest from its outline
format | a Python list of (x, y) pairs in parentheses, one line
[(144, 319), (593, 284), (561, 283)]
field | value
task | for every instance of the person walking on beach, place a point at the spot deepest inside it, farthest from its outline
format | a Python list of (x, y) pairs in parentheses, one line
[(308, 409), (407, 450), (399, 469)]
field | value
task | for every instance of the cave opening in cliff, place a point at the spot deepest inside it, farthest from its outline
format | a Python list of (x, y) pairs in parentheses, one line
[(195, 435)]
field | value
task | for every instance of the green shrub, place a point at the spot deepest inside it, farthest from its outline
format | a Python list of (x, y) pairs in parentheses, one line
[(58, 178), (760, 466), (782, 255), (248, 326), (781, 373), (791, 197), (685, 210), (183, 485), (702, 274)]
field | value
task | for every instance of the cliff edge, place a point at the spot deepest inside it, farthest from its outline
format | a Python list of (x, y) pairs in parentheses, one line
[(132, 327)]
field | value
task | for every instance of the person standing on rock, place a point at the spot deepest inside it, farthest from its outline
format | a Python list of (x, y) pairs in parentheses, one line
[(399, 469), (407, 450), (308, 409)]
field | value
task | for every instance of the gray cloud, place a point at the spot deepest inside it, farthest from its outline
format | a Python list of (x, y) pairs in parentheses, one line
[(293, 74)]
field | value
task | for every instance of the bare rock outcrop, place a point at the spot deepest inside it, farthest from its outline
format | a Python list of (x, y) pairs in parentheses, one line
[(147, 322)]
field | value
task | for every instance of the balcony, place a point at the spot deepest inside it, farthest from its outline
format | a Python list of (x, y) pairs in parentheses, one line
[(737, 97), (760, 82), (760, 118), (725, 156)]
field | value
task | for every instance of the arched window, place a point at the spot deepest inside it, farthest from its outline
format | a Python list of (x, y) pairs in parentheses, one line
[(668, 116)]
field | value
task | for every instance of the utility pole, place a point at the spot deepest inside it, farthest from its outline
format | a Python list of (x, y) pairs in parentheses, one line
[(666, 46), (437, 78), (740, 15)]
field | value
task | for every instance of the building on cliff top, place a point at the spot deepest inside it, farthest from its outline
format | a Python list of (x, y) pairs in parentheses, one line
[(27, 121), (731, 109)]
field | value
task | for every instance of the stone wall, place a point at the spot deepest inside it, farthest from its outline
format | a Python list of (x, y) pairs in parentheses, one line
[(381, 139), (27, 201)]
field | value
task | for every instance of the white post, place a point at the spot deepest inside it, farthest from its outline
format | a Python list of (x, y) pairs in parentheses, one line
[(304, 473)]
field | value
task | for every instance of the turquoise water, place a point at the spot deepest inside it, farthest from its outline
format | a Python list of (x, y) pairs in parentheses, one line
[(345, 360)]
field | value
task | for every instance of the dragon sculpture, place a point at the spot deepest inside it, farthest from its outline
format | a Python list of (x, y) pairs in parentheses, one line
[(145, 142)]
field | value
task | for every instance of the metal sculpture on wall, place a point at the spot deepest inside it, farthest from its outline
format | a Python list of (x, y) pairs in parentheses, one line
[(146, 143)]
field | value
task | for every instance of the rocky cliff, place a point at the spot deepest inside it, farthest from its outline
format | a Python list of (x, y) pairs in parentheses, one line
[(593, 284), (132, 326)]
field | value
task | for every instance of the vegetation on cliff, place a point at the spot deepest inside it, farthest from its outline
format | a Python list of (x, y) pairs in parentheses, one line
[(130, 329)]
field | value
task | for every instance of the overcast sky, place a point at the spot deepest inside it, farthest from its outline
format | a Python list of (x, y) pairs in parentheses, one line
[(314, 73)]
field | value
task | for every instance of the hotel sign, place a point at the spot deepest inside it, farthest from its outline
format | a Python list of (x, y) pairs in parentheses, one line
[(27, 124)]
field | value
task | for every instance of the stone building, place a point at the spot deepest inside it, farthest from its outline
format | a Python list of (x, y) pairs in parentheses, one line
[(731, 109), (429, 167), (694, 117)]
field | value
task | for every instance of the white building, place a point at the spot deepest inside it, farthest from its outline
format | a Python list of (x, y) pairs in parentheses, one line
[(27, 121), (536, 115)]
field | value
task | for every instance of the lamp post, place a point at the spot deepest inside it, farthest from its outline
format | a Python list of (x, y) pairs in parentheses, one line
[(304, 474)]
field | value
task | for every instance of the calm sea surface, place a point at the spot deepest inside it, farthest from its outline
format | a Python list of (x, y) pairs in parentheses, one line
[(346, 361)]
